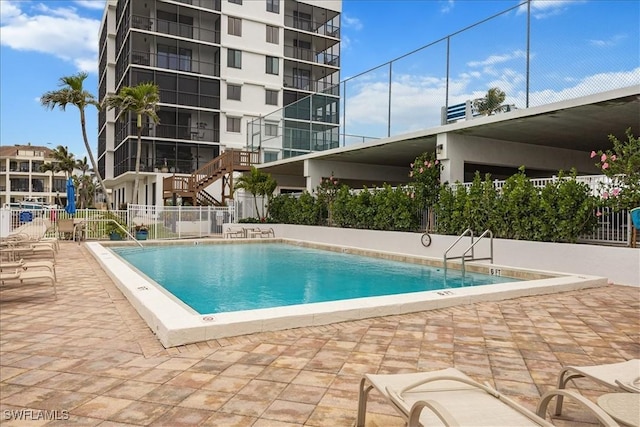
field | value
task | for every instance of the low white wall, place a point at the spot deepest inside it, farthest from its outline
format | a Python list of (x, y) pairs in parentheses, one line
[(620, 265)]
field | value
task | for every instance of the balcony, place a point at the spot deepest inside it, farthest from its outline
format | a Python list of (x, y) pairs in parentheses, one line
[(175, 62), (311, 56), (191, 32), (307, 24), (304, 83)]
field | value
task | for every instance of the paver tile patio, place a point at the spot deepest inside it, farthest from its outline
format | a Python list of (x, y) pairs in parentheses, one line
[(89, 353)]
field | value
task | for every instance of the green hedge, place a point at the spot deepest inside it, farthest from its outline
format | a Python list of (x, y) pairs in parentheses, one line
[(560, 212)]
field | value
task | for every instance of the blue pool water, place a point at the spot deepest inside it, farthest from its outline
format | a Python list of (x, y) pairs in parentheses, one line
[(232, 277)]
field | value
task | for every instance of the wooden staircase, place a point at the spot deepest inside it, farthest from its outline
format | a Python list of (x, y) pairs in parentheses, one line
[(192, 188)]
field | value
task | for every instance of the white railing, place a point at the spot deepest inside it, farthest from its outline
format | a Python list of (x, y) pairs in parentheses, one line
[(161, 222), (179, 222)]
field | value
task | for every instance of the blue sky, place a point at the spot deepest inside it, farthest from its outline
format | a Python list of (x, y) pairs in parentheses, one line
[(578, 46)]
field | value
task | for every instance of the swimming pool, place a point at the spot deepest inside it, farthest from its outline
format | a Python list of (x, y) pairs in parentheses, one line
[(225, 278), (175, 323)]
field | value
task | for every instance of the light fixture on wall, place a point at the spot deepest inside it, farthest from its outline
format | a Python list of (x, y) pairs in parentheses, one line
[(439, 148)]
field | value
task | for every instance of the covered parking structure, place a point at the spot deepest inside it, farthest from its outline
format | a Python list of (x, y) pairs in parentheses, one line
[(543, 139)]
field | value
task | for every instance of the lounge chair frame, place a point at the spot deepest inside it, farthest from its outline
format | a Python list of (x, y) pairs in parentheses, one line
[(393, 387), (620, 377)]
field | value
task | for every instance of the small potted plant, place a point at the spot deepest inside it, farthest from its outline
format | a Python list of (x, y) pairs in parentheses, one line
[(114, 231), (142, 232)]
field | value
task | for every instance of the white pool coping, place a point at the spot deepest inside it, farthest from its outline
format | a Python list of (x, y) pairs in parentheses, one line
[(176, 324)]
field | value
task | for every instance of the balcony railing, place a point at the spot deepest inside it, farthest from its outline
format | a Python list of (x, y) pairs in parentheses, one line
[(175, 62), (205, 4), (304, 24), (175, 29), (305, 83), (311, 56)]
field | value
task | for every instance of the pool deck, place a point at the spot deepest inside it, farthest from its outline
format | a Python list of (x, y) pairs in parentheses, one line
[(91, 354)]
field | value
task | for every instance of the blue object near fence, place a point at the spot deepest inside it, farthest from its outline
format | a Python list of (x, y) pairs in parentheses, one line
[(26, 217), (635, 217)]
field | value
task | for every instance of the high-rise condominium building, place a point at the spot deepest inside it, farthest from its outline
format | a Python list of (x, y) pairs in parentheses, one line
[(219, 65)]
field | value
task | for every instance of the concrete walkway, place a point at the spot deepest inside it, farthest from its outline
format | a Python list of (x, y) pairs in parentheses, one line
[(89, 357)]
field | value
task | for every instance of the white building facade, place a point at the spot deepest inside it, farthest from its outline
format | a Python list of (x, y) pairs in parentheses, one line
[(22, 181), (219, 65)]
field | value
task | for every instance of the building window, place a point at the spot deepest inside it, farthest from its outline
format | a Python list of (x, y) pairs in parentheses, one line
[(271, 97), (273, 6), (301, 78), (270, 156), (172, 58), (234, 58), (235, 1), (272, 65), (234, 92), (233, 124), (234, 26), (270, 129), (302, 20), (273, 34)]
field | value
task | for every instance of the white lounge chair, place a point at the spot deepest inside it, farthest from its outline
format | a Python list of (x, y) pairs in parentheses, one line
[(259, 232), (29, 265), (620, 377), (20, 276), (450, 398)]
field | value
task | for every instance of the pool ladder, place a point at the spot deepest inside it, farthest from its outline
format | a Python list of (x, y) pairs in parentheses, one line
[(465, 255)]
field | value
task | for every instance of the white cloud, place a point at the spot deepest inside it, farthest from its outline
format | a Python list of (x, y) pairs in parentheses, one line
[(349, 22), (541, 9), (416, 100), (498, 59), (345, 42), (447, 6), (92, 4), (614, 40), (57, 31)]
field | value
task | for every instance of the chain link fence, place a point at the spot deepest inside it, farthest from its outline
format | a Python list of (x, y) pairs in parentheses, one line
[(509, 50)]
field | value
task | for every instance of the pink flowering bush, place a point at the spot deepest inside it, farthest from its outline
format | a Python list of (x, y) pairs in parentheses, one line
[(425, 174), (622, 165)]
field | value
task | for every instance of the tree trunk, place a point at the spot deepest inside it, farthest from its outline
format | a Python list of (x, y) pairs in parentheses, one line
[(136, 181), (255, 201), (93, 161)]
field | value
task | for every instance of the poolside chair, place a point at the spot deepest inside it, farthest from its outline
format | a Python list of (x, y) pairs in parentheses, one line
[(25, 238), (34, 230), (234, 233), (30, 265), (620, 377), (67, 228), (450, 398), (12, 251), (20, 276), (259, 232)]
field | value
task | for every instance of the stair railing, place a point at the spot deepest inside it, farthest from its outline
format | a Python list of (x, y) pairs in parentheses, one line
[(465, 255)]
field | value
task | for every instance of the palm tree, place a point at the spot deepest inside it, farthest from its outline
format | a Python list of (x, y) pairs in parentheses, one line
[(141, 100), (491, 102), (83, 166), (72, 92), (257, 183), (64, 161)]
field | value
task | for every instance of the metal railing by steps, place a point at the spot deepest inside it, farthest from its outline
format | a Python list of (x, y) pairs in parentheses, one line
[(465, 255), (192, 188)]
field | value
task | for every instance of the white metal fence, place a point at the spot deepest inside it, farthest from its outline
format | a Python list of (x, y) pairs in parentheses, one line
[(161, 222), (178, 222)]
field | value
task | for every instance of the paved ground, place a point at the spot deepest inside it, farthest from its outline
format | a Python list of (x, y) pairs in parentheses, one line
[(89, 355)]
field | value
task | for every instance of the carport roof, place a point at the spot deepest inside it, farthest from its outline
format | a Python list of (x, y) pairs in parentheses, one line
[(579, 124)]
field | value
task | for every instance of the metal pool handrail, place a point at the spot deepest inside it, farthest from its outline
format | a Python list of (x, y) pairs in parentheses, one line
[(464, 255)]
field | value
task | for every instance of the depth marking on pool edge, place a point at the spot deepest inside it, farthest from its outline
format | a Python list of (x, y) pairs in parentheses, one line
[(209, 318), (443, 293)]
